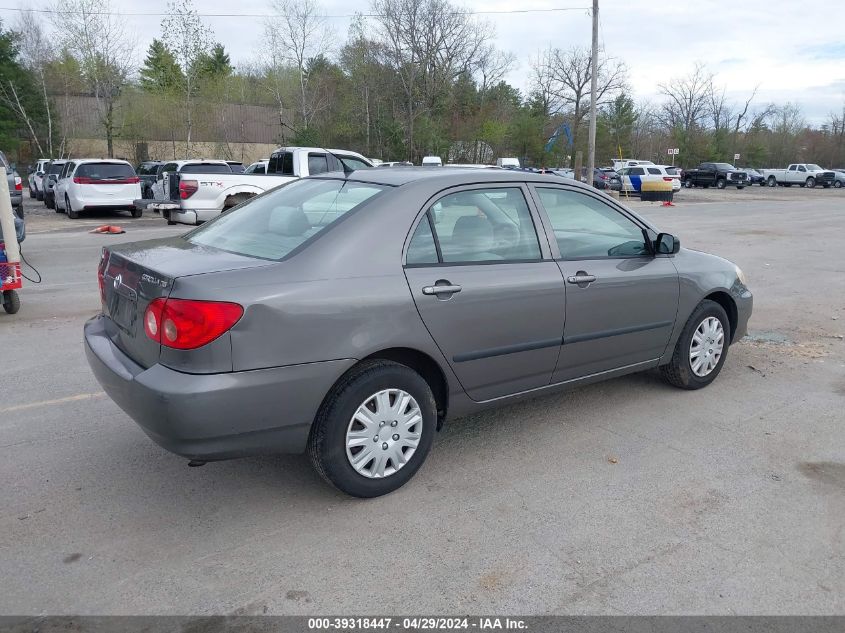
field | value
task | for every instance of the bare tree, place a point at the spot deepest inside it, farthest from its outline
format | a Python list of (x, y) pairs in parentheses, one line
[(36, 54), (299, 33), (688, 99), (189, 40), (95, 35), (564, 77)]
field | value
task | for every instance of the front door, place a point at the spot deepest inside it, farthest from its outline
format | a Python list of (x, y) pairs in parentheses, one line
[(491, 297), (621, 301)]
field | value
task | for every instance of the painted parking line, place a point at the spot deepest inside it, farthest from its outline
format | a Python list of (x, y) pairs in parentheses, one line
[(46, 403)]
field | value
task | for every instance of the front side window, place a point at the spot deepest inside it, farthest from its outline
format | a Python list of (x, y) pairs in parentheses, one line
[(272, 225), (281, 163), (587, 228), (485, 225)]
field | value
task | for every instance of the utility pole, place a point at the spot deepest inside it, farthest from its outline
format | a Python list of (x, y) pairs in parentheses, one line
[(591, 160)]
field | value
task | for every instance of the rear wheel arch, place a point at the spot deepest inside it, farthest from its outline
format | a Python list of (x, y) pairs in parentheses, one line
[(729, 305), (425, 366), (234, 199)]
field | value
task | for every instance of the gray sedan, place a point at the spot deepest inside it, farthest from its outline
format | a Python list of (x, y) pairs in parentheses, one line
[(349, 316)]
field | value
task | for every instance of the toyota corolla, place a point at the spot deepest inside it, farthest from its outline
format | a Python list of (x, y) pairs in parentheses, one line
[(349, 315)]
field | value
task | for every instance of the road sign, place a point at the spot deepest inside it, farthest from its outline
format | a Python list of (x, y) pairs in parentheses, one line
[(676, 151), (736, 156), (670, 151)]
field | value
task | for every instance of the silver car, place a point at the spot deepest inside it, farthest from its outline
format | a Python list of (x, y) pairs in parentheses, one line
[(350, 316)]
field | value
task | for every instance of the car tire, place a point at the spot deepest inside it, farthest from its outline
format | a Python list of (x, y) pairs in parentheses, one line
[(740, 187), (688, 183), (721, 183), (11, 301), (837, 184), (49, 202), (136, 213), (810, 182), (679, 371), (19, 211), (31, 192), (358, 388), (772, 181), (39, 195), (73, 215)]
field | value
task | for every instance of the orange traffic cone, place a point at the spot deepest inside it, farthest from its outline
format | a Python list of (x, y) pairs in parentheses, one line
[(107, 228)]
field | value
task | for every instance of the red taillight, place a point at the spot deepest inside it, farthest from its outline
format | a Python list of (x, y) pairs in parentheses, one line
[(101, 272), (187, 188), (668, 178), (83, 180), (18, 183), (189, 324)]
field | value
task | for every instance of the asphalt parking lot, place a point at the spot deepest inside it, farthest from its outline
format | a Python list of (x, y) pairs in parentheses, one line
[(626, 497)]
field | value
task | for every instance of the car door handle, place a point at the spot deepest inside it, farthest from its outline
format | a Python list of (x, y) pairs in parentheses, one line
[(441, 290), (581, 278)]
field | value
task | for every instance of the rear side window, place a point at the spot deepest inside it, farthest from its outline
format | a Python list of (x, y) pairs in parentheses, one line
[(271, 226), (205, 168), (422, 249), (485, 225), (281, 163), (654, 171), (105, 171), (317, 164)]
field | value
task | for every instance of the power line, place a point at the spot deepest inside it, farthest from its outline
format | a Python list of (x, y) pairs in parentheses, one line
[(271, 15)]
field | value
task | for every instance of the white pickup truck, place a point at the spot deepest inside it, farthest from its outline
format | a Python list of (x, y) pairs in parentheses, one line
[(194, 196), (801, 174)]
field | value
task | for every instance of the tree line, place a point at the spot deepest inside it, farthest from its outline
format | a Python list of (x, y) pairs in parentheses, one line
[(411, 78)]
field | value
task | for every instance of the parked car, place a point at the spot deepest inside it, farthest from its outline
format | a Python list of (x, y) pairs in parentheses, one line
[(508, 163), (839, 178), (267, 331), (97, 184), (395, 163), (191, 166), (674, 172), (801, 174), (621, 163), (236, 166), (192, 195), (755, 176), (36, 175), (148, 173), (564, 172), (258, 167), (634, 177), (603, 180), (719, 175), (432, 161), (51, 176), (15, 183)]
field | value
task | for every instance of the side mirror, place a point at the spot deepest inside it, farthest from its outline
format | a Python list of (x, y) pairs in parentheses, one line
[(53, 177), (666, 244)]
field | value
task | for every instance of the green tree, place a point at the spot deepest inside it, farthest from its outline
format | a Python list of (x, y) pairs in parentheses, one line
[(21, 107), (160, 72), (215, 64)]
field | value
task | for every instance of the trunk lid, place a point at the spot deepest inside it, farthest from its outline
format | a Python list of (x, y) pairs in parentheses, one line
[(137, 273)]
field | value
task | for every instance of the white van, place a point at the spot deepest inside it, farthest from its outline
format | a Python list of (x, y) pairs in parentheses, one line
[(507, 163), (432, 161)]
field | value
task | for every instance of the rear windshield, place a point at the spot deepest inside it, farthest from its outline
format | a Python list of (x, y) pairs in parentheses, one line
[(673, 171), (205, 168), (104, 171), (272, 225)]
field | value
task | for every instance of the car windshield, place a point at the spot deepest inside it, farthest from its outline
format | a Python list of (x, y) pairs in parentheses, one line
[(272, 225), (205, 168), (105, 171), (813, 167)]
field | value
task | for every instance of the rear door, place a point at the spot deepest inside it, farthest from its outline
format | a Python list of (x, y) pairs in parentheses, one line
[(487, 289), (621, 301)]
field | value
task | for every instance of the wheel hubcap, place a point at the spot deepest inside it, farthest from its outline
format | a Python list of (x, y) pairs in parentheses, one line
[(384, 433), (706, 348)]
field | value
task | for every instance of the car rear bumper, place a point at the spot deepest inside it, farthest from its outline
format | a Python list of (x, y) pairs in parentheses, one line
[(214, 416)]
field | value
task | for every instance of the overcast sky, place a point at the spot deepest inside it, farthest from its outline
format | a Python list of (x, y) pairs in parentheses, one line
[(786, 47)]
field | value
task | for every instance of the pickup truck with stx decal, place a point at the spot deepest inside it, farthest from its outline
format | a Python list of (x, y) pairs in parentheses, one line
[(193, 195)]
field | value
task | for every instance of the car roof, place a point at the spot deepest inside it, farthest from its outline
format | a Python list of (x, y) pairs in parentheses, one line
[(446, 176), (115, 161)]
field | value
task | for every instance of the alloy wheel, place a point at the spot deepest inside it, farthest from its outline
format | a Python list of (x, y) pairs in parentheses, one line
[(384, 433), (706, 347)]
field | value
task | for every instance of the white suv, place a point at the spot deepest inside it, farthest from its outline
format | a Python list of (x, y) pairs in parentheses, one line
[(97, 184)]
